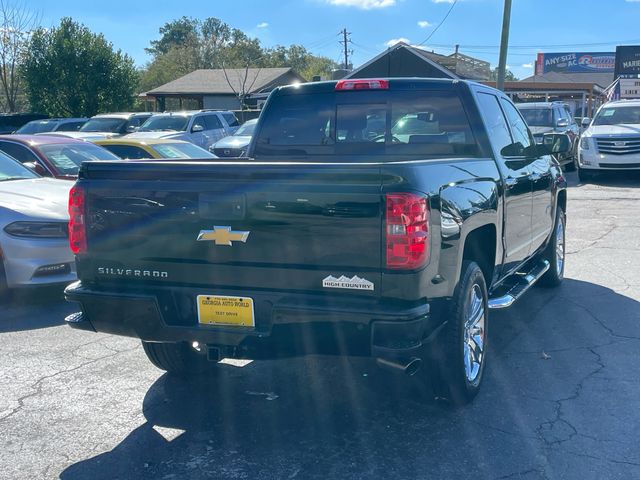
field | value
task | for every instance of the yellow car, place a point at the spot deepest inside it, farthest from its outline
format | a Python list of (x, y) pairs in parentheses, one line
[(158, 148)]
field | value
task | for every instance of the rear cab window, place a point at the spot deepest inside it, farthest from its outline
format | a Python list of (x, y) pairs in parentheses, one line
[(384, 123)]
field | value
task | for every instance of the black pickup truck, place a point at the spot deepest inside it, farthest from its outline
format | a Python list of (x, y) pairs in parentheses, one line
[(380, 217)]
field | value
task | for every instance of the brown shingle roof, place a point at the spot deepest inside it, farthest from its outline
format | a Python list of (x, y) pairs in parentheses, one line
[(212, 82)]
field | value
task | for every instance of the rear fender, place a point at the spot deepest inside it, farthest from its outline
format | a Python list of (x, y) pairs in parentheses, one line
[(464, 208)]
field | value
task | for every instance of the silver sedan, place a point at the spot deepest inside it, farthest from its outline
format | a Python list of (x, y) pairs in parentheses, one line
[(34, 246)]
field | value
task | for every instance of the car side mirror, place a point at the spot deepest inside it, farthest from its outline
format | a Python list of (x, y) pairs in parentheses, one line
[(562, 123), (586, 121), (37, 168), (132, 128), (197, 128), (554, 143)]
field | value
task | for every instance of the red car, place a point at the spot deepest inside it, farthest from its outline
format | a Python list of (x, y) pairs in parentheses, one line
[(52, 156)]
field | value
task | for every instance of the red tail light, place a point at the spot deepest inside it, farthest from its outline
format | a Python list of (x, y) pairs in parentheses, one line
[(407, 227), (77, 230), (362, 85)]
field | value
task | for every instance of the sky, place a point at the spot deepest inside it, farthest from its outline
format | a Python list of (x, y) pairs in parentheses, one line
[(536, 25)]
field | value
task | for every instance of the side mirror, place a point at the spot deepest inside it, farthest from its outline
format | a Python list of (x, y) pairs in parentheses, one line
[(586, 121), (197, 128), (562, 123), (37, 168), (554, 143), (132, 128)]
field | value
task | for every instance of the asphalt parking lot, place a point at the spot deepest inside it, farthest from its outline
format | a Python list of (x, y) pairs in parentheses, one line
[(560, 400)]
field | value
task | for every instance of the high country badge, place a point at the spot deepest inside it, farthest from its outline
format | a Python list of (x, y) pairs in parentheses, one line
[(353, 283)]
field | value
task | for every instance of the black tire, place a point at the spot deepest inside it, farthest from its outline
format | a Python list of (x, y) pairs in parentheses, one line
[(584, 176), (453, 380), (177, 358), (554, 253), (4, 290)]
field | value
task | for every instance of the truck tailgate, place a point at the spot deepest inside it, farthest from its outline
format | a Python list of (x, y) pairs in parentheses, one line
[(172, 223)]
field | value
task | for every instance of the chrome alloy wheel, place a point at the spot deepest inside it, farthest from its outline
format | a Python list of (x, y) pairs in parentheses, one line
[(474, 335), (560, 246)]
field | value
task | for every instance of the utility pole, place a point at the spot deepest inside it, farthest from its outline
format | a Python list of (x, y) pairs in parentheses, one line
[(504, 44), (345, 41)]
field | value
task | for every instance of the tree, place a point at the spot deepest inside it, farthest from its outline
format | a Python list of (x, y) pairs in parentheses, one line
[(188, 44), (71, 71), (16, 24), (508, 76)]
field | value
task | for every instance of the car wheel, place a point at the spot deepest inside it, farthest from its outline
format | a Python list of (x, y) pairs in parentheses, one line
[(177, 358), (461, 354), (555, 253), (4, 289), (584, 176)]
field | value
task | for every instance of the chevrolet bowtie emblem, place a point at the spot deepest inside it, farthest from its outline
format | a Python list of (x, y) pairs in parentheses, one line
[(222, 236)]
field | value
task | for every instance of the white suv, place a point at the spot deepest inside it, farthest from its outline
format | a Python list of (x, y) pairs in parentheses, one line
[(612, 141), (201, 127)]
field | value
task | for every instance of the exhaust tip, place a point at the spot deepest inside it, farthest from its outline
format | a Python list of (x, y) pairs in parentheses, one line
[(412, 367), (409, 367)]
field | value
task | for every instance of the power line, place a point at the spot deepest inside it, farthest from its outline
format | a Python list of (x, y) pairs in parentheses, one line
[(440, 24), (540, 47)]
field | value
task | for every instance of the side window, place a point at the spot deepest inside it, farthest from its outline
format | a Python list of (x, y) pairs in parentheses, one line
[(569, 115), (127, 151), (199, 121), (231, 119), (70, 126), (20, 153), (521, 137), (212, 122), (494, 121)]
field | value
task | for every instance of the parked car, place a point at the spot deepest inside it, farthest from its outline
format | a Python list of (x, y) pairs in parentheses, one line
[(200, 127), (52, 125), (328, 239), (34, 245), (235, 145), (134, 149), (110, 125), (52, 156), (553, 117), (10, 122), (612, 141)]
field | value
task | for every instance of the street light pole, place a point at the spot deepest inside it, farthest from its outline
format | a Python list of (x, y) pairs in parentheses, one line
[(504, 44)]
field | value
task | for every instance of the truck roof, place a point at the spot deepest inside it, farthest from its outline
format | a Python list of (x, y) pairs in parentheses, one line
[(394, 83)]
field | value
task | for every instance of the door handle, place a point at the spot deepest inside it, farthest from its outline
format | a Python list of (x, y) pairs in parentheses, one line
[(535, 176), (510, 182)]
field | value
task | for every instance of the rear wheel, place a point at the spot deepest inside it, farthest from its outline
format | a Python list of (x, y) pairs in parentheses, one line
[(461, 355), (177, 358), (555, 253)]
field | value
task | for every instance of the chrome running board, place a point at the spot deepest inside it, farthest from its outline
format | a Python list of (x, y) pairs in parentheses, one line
[(524, 282)]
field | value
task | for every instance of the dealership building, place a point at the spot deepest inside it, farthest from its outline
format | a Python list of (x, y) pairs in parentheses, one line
[(583, 80)]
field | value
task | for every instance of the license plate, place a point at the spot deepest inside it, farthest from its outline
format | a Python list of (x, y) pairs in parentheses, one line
[(233, 311)]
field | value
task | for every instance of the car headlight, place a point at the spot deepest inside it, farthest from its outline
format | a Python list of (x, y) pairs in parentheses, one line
[(585, 143), (38, 229)]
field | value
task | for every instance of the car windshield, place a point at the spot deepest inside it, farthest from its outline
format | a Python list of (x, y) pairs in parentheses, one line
[(247, 128), (11, 169), (67, 157), (104, 124), (629, 115), (538, 117), (181, 150), (38, 126), (156, 123)]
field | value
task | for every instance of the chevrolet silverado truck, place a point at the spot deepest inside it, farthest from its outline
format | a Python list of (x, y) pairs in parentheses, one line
[(376, 217)]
